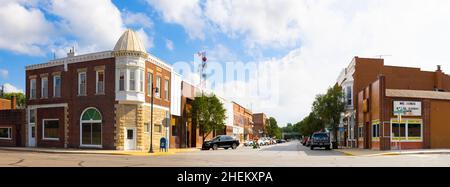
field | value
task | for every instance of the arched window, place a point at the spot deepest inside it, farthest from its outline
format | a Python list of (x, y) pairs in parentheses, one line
[(91, 128)]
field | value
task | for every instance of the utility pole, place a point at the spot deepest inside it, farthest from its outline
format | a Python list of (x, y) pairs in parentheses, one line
[(202, 69)]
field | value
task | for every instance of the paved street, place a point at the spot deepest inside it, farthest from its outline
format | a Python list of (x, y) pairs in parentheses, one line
[(288, 154)]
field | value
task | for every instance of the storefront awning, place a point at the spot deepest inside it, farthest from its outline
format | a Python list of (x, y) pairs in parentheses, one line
[(418, 94)]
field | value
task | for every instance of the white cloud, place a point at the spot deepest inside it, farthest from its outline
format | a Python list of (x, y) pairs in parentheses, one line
[(137, 19), (9, 88), (187, 13), (169, 45), (147, 40), (96, 24), (4, 73), (24, 28), (89, 26)]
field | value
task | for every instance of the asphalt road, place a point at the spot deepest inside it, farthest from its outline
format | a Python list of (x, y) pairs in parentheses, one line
[(288, 154)]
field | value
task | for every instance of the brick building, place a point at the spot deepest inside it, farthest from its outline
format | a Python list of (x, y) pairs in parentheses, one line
[(242, 123), (259, 120), (99, 100), (359, 82), (12, 121)]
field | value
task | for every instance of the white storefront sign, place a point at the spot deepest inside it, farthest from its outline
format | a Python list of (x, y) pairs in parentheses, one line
[(409, 108)]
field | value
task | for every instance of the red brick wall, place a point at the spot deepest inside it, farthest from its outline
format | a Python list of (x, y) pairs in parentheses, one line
[(15, 119), (50, 113), (165, 75), (77, 104)]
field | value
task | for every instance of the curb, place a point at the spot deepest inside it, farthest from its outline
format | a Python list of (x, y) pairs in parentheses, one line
[(347, 153), (136, 153)]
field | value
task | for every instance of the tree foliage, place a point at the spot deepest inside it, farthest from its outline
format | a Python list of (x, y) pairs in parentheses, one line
[(272, 128), (19, 96), (326, 112), (208, 114)]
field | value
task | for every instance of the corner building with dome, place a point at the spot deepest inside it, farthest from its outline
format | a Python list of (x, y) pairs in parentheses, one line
[(101, 100)]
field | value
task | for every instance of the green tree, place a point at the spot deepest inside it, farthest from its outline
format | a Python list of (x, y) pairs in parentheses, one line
[(19, 96), (272, 128), (329, 107), (208, 114), (310, 124)]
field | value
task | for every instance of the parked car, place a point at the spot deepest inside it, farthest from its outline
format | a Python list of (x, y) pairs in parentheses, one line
[(308, 142), (281, 141), (221, 141), (261, 142), (305, 140), (248, 143), (273, 141), (321, 139)]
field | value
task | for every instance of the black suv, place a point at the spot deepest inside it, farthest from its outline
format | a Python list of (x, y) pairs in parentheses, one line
[(221, 141), (321, 139)]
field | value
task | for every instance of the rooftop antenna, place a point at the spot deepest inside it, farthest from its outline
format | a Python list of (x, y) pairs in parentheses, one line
[(382, 56)]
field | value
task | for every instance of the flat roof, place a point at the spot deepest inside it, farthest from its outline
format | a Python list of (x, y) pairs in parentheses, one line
[(422, 94)]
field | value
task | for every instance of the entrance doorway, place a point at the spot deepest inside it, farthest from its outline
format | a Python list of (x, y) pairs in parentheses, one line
[(32, 128), (130, 139)]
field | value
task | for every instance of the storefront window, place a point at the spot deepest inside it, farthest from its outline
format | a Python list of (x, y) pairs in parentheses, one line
[(414, 131), (376, 130), (398, 129), (50, 130), (91, 128), (410, 130)]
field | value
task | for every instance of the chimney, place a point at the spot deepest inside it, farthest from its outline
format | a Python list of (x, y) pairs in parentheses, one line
[(13, 102), (71, 52), (438, 79)]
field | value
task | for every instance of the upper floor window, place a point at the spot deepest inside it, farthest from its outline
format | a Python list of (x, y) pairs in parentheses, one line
[(149, 83), (57, 86), (166, 89), (100, 82), (141, 80), (32, 88), (44, 87), (348, 95), (132, 80), (158, 86), (122, 80), (82, 83)]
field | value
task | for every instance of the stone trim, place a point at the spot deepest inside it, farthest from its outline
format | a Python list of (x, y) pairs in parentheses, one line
[(43, 75), (99, 68), (82, 70), (66, 127), (32, 77), (56, 73)]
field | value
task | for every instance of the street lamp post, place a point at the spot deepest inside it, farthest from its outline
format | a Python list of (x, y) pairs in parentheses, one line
[(151, 118)]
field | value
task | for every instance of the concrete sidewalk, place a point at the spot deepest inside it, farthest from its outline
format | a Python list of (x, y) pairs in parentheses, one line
[(93, 151), (368, 152)]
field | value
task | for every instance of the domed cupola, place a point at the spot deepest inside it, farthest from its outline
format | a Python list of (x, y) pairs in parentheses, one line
[(130, 58), (129, 44)]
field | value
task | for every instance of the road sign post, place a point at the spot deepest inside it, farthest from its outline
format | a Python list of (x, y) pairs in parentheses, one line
[(399, 114)]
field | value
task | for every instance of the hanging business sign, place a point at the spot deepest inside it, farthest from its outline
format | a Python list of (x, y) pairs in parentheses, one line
[(408, 108)]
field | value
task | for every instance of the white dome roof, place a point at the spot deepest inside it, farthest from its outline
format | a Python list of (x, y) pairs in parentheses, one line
[(130, 41)]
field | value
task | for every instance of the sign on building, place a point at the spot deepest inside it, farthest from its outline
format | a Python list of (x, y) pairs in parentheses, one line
[(408, 108)]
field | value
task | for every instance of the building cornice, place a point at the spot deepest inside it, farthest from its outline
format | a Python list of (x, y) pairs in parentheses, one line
[(71, 60)]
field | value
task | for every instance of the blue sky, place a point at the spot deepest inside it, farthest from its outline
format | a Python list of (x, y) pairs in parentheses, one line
[(303, 44)]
